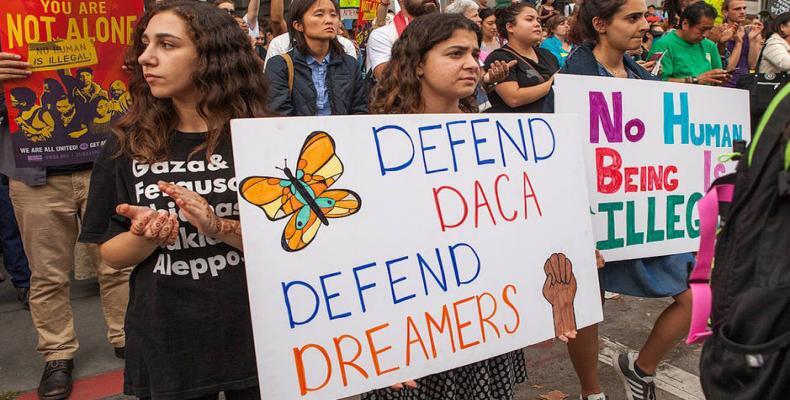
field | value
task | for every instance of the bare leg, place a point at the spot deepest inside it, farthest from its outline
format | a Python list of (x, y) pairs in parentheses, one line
[(584, 355), (669, 328)]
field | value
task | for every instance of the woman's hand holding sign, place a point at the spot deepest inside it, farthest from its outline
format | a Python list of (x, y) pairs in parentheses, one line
[(12, 67)]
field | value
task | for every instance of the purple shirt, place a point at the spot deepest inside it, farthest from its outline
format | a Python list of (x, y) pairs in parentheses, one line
[(743, 63)]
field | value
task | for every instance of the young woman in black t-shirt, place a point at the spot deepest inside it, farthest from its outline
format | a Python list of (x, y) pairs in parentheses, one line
[(163, 198), (526, 86)]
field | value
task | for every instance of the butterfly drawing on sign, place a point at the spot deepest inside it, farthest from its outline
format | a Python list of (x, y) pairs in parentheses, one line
[(304, 194)]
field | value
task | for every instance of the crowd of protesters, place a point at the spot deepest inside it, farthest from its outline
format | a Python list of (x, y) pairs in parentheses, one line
[(194, 66)]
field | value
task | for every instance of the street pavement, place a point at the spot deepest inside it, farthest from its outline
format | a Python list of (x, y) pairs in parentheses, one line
[(627, 323)]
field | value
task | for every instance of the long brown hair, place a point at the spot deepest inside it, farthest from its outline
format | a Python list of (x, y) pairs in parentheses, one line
[(398, 92), (229, 80)]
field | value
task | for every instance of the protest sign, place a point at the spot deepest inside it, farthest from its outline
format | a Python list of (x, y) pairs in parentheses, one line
[(651, 150), (449, 239), (62, 113)]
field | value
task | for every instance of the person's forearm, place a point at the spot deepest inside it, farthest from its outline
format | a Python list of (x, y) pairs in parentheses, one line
[(277, 16), (229, 232), (252, 13), (735, 56), (678, 80), (754, 52), (126, 250), (527, 95)]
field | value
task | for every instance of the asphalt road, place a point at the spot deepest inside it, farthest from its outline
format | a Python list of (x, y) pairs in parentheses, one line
[(627, 323)]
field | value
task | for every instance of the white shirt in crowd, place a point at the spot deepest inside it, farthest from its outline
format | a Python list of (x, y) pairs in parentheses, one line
[(776, 55), (282, 44), (569, 9), (380, 44)]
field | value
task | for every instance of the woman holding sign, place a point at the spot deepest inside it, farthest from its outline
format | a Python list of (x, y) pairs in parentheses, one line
[(605, 31), (188, 330), (434, 69)]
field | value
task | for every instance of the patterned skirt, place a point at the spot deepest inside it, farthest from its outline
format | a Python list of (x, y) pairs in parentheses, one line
[(491, 379)]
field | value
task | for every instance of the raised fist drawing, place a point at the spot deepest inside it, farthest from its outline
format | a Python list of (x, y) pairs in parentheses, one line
[(560, 290)]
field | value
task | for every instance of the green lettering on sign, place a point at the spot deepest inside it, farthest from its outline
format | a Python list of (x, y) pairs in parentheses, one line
[(672, 217), (653, 234), (611, 241)]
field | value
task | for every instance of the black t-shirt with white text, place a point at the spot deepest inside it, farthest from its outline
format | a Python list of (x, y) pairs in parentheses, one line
[(525, 75), (188, 329)]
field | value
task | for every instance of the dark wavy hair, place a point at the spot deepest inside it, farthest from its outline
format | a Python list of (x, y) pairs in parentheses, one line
[(695, 12), (229, 80), (297, 11), (486, 12), (775, 26), (398, 91), (508, 15), (582, 29)]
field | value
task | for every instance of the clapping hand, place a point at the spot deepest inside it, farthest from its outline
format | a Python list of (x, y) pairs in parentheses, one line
[(158, 227)]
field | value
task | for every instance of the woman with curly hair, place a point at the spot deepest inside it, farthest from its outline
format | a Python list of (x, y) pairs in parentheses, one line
[(435, 69), (188, 330)]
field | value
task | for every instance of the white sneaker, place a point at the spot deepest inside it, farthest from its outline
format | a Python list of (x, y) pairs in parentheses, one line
[(597, 396)]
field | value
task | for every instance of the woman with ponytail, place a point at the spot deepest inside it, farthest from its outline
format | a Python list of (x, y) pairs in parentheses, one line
[(605, 30), (529, 82)]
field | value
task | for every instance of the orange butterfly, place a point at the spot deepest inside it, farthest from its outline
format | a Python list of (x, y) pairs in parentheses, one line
[(303, 195)]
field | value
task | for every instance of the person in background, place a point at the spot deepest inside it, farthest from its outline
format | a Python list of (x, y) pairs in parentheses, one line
[(381, 40), (283, 41), (689, 57), (776, 55), (14, 258), (546, 10), (55, 198), (605, 31), (652, 14), (434, 69), (243, 25), (325, 80), (571, 8), (744, 48), (250, 17), (490, 35), (557, 43), (467, 8), (530, 79)]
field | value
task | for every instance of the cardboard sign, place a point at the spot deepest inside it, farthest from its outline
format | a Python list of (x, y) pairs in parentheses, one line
[(62, 113), (651, 150), (385, 248)]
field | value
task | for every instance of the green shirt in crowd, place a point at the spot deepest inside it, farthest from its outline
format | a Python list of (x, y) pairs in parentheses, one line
[(683, 59)]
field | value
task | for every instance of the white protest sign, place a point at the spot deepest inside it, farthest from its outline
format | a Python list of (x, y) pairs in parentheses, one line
[(433, 249), (651, 150)]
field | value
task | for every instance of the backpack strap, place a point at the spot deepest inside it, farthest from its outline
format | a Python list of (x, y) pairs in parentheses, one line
[(289, 62), (772, 106), (519, 57), (699, 280)]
